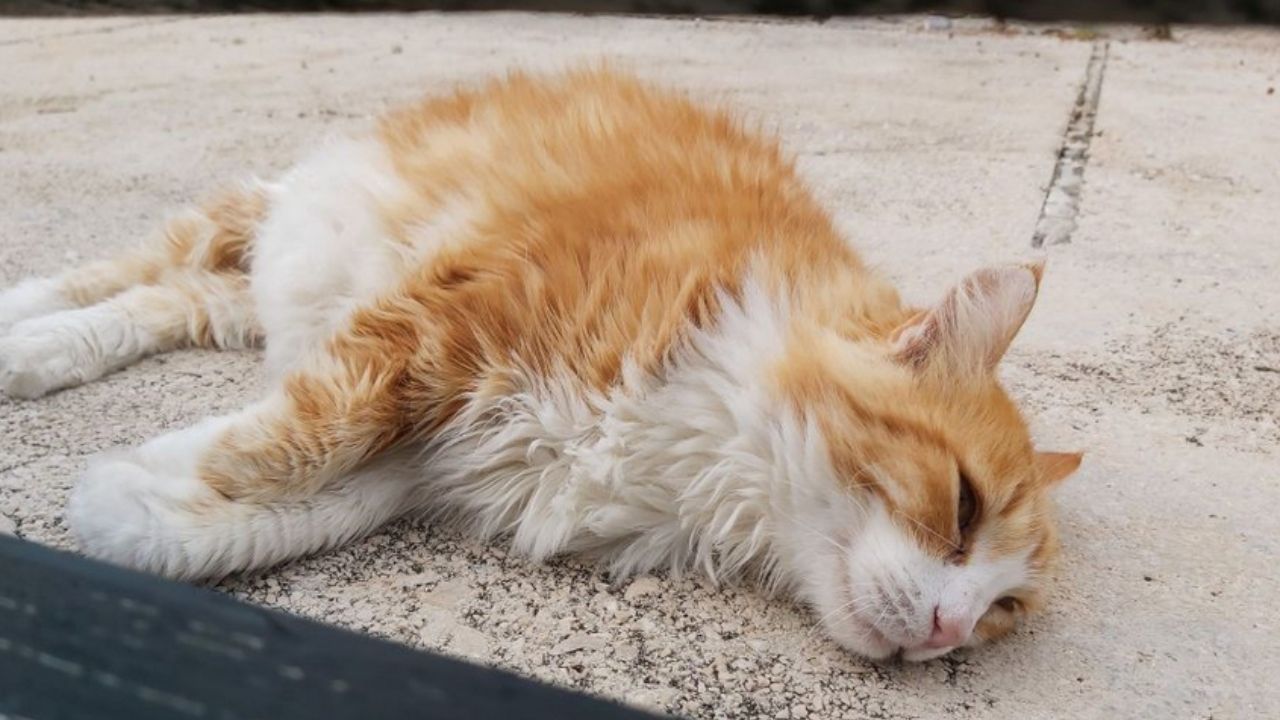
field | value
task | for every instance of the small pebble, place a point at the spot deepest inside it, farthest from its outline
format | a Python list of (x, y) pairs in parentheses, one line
[(642, 586)]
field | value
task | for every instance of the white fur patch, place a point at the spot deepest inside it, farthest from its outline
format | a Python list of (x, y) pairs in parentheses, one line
[(693, 467), (324, 250)]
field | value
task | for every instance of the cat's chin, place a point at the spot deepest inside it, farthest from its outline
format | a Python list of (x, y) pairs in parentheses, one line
[(863, 640), (876, 647), (922, 654)]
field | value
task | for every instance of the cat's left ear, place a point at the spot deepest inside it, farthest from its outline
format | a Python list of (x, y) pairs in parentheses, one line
[(1054, 467), (970, 329)]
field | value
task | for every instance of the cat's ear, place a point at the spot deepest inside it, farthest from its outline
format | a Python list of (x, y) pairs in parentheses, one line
[(970, 329), (1054, 467)]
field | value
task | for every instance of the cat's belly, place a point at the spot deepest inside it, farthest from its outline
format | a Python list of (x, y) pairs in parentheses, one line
[(662, 470), (558, 470), (325, 248)]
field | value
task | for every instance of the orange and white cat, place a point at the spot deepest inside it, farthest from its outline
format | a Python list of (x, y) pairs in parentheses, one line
[(585, 315)]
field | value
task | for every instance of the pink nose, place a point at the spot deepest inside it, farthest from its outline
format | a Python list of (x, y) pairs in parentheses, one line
[(947, 631)]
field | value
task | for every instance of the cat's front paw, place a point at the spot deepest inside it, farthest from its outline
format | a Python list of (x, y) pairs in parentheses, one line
[(29, 299), (36, 360)]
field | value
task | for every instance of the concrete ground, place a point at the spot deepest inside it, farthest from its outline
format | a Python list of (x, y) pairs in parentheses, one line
[(1155, 346)]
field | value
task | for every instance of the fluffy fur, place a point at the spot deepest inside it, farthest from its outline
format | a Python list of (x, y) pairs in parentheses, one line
[(584, 315)]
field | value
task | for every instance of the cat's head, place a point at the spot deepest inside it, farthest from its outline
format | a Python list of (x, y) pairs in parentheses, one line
[(933, 530)]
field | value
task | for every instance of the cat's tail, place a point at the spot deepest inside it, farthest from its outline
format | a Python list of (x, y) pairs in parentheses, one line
[(125, 513)]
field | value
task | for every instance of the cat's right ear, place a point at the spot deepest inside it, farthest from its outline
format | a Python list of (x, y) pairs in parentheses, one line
[(970, 329)]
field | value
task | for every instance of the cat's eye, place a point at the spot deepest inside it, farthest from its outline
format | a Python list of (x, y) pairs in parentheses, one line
[(967, 505), (1008, 603)]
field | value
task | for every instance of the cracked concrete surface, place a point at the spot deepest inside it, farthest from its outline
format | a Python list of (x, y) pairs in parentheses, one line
[(1062, 199), (1155, 346)]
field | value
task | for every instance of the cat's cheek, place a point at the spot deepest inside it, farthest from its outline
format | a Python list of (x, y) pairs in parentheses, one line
[(826, 590)]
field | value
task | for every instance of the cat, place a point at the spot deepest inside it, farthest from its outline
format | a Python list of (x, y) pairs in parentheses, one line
[(587, 315)]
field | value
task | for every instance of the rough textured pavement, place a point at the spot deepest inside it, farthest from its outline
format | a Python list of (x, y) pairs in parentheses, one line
[(1155, 345)]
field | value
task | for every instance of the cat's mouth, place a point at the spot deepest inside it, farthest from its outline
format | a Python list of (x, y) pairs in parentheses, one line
[(883, 647), (889, 642), (873, 634)]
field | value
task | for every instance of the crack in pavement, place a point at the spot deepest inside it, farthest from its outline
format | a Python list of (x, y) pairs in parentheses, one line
[(1057, 220)]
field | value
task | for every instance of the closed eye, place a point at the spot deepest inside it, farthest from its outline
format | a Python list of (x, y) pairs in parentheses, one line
[(966, 505)]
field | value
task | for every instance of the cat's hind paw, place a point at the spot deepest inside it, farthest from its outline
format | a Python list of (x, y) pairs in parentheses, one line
[(28, 299), (35, 361), (69, 348), (148, 509), (45, 354), (125, 513)]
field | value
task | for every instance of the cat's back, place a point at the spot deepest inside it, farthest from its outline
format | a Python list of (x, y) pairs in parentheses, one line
[(597, 148), (589, 216), (576, 121)]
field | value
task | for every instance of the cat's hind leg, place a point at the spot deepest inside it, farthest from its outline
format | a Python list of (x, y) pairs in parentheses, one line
[(214, 237), (150, 509), (186, 287), (300, 471), (71, 347)]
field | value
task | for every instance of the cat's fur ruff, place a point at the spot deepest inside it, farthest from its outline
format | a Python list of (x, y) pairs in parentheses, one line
[(585, 315)]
